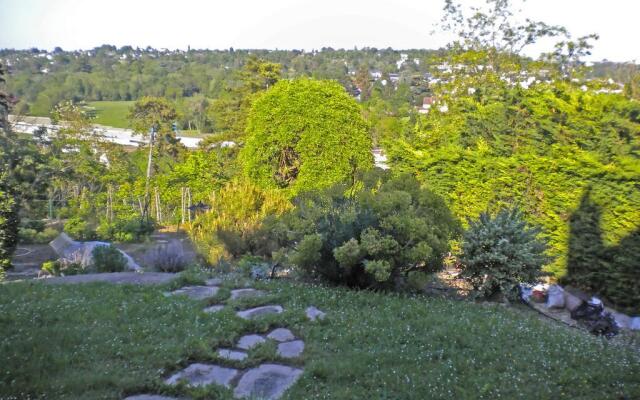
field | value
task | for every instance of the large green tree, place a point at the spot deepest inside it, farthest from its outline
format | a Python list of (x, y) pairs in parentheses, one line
[(304, 134)]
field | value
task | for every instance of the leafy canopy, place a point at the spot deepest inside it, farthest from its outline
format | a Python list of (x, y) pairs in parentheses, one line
[(305, 134)]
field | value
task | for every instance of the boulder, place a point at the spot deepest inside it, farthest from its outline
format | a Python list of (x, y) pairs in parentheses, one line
[(571, 301), (634, 324), (555, 297), (81, 252)]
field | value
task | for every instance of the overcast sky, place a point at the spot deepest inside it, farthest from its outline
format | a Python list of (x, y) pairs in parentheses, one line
[(287, 24)]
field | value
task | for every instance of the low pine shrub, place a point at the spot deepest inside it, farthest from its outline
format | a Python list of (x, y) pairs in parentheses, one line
[(499, 253), (108, 259), (373, 236)]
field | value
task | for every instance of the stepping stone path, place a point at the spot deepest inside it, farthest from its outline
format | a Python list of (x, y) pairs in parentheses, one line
[(291, 349), (203, 375), (233, 355), (257, 312), (243, 293), (281, 335), (214, 308), (197, 292), (248, 342), (267, 381)]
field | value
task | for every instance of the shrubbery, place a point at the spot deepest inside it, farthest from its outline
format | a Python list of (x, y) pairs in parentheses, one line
[(62, 268), (28, 235), (234, 225), (127, 229), (499, 253), (169, 257), (108, 259), (370, 237), (79, 229)]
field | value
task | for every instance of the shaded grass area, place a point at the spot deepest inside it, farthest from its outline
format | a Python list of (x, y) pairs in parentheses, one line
[(112, 113), (103, 341)]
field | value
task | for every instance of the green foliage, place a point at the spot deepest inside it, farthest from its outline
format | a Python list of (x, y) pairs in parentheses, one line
[(8, 225), (610, 271), (305, 134), (28, 235), (233, 225), (108, 259), (373, 237), (79, 229), (61, 268), (539, 148), (126, 228), (499, 253)]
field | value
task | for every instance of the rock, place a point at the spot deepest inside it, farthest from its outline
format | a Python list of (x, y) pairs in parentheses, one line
[(291, 349), (243, 293), (257, 312), (234, 355), (314, 314), (213, 309), (203, 375), (281, 335), (555, 297), (634, 324), (197, 292), (571, 302), (623, 321), (150, 397), (249, 341), (213, 282), (81, 252), (267, 382)]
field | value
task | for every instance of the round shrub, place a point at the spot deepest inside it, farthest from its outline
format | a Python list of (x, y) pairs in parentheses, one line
[(305, 134), (108, 259), (499, 253)]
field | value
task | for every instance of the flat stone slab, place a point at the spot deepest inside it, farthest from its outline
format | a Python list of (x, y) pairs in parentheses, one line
[(234, 355), (291, 349), (150, 397), (121, 278), (281, 335), (243, 293), (204, 375), (250, 341), (259, 312), (197, 292), (268, 381), (213, 282), (214, 308), (314, 314)]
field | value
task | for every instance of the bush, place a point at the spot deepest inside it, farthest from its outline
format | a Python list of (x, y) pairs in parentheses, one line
[(28, 235), (79, 229), (62, 268), (108, 259), (500, 253), (234, 224), (127, 229), (372, 238), (167, 257)]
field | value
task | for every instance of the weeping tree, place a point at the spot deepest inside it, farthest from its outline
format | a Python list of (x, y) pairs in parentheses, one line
[(305, 134)]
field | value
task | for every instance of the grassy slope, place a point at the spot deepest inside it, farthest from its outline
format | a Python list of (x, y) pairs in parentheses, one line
[(112, 113), (102, 342)]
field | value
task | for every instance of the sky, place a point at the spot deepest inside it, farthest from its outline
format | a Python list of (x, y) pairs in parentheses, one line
[(289, 24)]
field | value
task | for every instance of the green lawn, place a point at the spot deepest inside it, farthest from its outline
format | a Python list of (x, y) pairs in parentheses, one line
[(98, 341), (112, 113)]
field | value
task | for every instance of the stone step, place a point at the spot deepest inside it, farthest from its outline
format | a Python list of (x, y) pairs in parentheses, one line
[(257, 312)]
